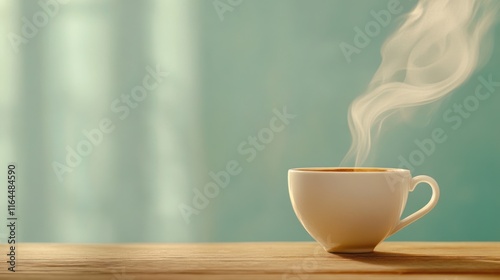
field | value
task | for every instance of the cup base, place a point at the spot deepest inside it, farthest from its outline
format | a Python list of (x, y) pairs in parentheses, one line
[(350, 250)]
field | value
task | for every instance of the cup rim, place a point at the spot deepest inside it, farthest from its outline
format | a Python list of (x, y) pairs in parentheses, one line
[(347, 170)]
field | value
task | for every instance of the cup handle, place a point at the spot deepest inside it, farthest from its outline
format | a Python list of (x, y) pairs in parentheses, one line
[(424, 210)]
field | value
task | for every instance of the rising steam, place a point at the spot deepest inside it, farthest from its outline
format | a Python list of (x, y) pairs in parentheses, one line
[(436, 49)]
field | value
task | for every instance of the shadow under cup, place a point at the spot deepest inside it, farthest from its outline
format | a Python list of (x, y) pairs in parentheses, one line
[(351, 210)]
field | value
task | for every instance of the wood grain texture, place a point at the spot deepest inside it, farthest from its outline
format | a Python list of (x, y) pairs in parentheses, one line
[(301, 260)]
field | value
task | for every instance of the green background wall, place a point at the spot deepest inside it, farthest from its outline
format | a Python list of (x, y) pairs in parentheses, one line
[(226, 76)]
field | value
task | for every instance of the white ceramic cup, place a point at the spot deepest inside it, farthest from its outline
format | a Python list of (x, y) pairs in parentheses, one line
[(351, 210)]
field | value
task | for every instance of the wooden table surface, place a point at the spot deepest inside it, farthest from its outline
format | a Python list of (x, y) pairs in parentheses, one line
[(271, 260)]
